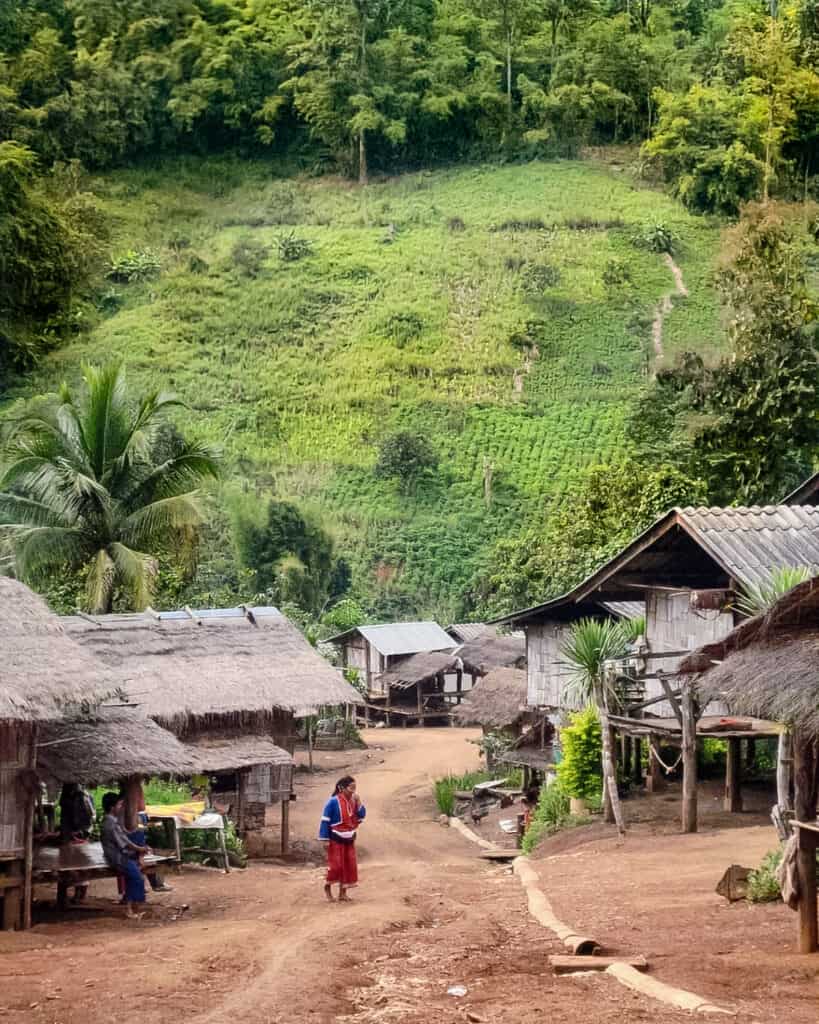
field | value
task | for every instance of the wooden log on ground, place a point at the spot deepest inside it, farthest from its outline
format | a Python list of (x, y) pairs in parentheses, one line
[(568, 964)]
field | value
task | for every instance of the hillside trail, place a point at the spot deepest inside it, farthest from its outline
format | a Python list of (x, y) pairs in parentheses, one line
[(263, 946), (664, 307)]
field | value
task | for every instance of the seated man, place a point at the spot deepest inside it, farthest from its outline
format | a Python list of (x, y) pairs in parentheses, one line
[(122, 854)]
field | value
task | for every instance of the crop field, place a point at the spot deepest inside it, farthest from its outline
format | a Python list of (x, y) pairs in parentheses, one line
[(505, 312)]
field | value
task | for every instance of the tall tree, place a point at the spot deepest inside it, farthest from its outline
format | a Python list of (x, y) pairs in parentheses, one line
[(91, 483)]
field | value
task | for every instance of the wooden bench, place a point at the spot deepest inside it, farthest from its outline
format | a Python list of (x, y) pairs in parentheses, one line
[(79, 863)]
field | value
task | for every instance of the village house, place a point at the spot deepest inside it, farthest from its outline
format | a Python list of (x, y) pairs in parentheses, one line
[(231, 684), (373, 650)]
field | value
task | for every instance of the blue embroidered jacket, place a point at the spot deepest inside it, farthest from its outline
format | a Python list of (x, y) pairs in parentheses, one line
[(331, 817)]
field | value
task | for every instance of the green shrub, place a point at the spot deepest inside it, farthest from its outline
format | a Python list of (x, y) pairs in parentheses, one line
[(248, 257), (616, 274), (404, 327), (762, 883), (540, 276), (447, 787), (579, 773), (134, 266), (552, 814), (657, 238), (292, 248)]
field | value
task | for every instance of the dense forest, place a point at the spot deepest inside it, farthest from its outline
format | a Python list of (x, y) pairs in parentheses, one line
[(102, 101)]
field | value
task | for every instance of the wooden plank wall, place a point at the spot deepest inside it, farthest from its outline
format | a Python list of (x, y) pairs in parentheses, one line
[(15, 754), (673, 625), (546, 677)]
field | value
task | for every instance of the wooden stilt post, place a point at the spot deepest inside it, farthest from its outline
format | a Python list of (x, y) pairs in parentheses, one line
[(750, 755), (689, 759), (28, 866), (637, 760), (733, 793), (804, 755), (418, 688), (459, 685), (654, 779), (286, 824), (625, 748), (387, 708), (132, 791), (784, 771), (310, 743)]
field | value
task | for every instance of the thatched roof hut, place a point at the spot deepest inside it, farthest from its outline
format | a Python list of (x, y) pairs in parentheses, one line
[(230, 755), (491, 650), (768, 666), (115, 744), (195, 670), (43, 669), (498, 701), (419, 668)]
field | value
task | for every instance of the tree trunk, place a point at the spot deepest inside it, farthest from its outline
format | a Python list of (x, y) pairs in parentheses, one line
[(611, 798), (363, 177), (509, 71)]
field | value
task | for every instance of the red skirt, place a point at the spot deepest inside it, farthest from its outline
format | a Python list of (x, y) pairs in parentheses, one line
[(341, 863)]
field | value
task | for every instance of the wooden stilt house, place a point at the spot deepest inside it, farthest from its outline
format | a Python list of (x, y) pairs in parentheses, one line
[(44, 673)]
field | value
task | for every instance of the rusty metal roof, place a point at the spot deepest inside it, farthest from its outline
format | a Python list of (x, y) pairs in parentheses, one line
[(463, 632), (751, 542)]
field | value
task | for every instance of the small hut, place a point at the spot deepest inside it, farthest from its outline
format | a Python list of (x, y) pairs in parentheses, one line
[(769, 667), (374, 650), (228, 680), (414, 690), (44, 675)]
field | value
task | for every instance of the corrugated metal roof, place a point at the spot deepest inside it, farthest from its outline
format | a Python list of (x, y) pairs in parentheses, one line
[(401, 637), (750, 542), (407, 637), (626, 609)]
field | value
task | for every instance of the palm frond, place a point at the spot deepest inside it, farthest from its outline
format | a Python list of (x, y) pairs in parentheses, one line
[(160, 520), (99, 584), (585, 650), (759, 597), (135, 572), (179, 474), (37, 550)]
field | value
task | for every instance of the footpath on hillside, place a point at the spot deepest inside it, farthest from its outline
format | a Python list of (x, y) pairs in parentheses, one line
[(262, 945)]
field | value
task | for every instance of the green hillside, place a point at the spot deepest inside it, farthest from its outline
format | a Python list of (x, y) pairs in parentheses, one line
[(504, 312)]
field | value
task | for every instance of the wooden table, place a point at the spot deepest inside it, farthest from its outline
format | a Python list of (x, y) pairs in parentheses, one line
[(210, 821), (808, 924), (78, 863)]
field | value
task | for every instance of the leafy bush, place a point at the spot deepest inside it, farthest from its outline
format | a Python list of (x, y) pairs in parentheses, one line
[(292, 248), (248, 256), (135, 266), (406, 457), (447, 787), (404, 327), (762, 883), (616, 273), (456, 225), (579, 772), (540, 276), (494, 743), (657, 238)]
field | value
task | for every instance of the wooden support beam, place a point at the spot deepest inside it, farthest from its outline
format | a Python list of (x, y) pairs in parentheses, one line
[(689, 759), (131, 788), (637, 760), (673, 697), (805, 765), (286, 824), (732, 801), (784, 771), (419, 688), (655, 780)]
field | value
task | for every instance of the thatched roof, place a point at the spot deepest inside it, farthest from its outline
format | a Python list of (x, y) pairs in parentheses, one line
[(463, 632), (419, 668), (228, 755), (42, 667), (117, 743), (492, 650), (769, 665), (206, 665), (496, 701)]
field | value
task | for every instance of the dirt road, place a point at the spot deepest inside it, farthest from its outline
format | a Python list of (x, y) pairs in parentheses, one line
[(263, 947)]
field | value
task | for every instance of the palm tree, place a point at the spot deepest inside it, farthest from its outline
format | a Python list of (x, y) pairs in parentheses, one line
[(586, 649), (759, 597), (93, 483)]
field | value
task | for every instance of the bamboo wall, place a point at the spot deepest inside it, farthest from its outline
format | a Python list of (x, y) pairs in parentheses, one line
[(546, 677), (15, 757)]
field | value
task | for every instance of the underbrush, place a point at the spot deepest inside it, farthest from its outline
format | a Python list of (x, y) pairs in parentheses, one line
[(447, 787), (552, 815)]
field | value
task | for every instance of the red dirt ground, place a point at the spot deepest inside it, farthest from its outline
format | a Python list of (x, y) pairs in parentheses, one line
[(262, 946)]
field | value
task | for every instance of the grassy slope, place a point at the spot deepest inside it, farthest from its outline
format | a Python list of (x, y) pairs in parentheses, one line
[(301, 370)]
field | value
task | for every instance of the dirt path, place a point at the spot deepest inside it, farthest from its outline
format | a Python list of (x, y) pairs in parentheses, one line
[(665, 305), (262, 947)]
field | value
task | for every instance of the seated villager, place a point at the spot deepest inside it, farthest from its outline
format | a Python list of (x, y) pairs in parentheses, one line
[(77, 815), (122, 853), (140, 837), (343, 813)]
